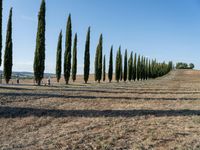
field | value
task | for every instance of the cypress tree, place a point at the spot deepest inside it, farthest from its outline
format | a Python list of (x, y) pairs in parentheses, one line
[(121, 68), (1, 10), (147, 68), (87, 57), (130, 67), (104, 68), (96, 63), (68, 45), (39, 60), (117, 65), (98, 60), (59, 58), (125, 66), (110, 71), (8, 51), (74, 64), (135, 67), (138, 69), (142, 68)]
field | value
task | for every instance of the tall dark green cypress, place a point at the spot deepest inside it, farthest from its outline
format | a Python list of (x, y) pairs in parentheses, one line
[(121, 68), (104, 68), (110, 71), (118, 65), (98, 60), (130, 67), (39, 60), (135, 67), (59, 58), (8, 58), (68, 46), (138, 69), (87, 57), (125, 65), (74, 63), (1, 12)]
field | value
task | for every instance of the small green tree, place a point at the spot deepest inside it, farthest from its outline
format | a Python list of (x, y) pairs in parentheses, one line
[(8, 51), (110, 71), (68, 45), (130, 67), (59, 58), (125, 66), (104, 68), (74, 64), (39, 60), (87, 57)]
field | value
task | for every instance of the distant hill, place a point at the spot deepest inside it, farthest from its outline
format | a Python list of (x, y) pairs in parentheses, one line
[(27, 74)]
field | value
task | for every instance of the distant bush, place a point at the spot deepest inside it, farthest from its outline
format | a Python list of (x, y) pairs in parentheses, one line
[(182, 65)]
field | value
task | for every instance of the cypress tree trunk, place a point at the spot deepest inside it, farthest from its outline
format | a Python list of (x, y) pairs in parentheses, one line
[(104, 68), (1, 10), (135, 67), (68, 45), (39, 60), (125, 66), (8, 51), (74, 64), (110, 71), (59, 58), (130, 67), (87, 57)]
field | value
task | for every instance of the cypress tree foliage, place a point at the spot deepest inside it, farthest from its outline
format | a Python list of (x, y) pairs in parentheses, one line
[(98, 60), (130, 67), (118, 65), (39, 60), (1, 10), (74, 64), (138, 69), (8, 51), (87, 57), (59, 58), (147, 69), (121, 68), (104, 68), (96, 63), (135, 67), (125, 66), (68, 45), (110, 71)]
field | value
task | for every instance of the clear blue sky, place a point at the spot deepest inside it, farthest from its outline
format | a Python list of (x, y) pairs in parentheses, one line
[(162, 29)]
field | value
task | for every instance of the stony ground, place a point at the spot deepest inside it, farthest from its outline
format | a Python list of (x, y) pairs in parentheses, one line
[(155, 114)]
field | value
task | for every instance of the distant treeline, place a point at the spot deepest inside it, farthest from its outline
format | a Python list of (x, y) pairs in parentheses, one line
[(181, 65), (134, 68)]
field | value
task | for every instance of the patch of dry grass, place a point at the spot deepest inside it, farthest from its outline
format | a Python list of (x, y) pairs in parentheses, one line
[(155, 114)]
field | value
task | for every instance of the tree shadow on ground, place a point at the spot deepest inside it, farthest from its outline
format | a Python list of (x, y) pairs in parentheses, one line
[(18, 112), (86, 97)]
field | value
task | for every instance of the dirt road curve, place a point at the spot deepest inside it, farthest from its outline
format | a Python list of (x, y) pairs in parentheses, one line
[(155, 114)]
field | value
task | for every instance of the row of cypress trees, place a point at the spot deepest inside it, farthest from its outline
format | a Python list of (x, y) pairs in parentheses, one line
[(137, 68)]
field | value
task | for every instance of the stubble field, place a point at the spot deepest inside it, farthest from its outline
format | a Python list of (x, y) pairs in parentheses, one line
[(157, 114)]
